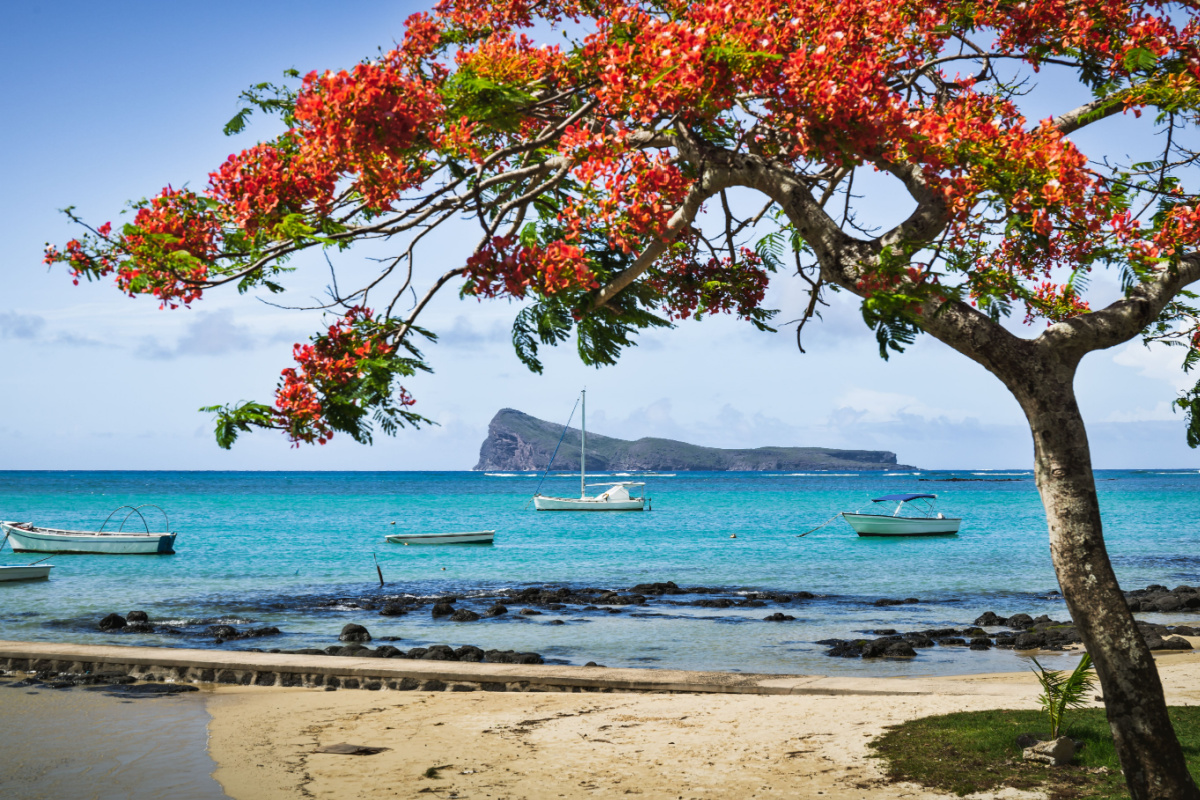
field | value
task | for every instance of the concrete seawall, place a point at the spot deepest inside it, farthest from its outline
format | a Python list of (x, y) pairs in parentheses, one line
[(246, 668)]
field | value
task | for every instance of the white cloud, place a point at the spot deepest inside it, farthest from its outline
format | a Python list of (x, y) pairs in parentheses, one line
[(1158, 361)]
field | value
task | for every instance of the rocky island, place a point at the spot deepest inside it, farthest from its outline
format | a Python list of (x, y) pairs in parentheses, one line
[(518, 442)]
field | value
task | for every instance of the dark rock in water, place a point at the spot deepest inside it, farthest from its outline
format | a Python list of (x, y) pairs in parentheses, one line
[(113, 622), (1184, 630), (393, 610), (556, 622), (354, 633), (991, 620), (469, 653), (888, 602), (416, 652), (139, 627), (804, 596), (845, 649), (497, 610), (918, 640), (951, 641), (311, 651), (387, 651), (512, 657), (332, 650), (137, 616), (657, 589), (442, 609), (440, 652), (884, 632), (464, 615), (1168, 603), (221, 631), (1029, 641), (720, 602), (779, 617), (1042, 619), (354, 650), (529, 612), (1005, 640), (1019, 621), (1170, 643), (981, 643)]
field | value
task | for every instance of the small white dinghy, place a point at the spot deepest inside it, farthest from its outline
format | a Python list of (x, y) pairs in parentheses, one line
[(466, 537), (25, 572), (895, 524), (29, 538)]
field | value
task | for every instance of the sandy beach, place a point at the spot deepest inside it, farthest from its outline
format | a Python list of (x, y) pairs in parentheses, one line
[(552, 745)]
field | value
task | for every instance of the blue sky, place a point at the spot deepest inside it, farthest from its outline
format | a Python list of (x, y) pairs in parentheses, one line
[(108, 102)]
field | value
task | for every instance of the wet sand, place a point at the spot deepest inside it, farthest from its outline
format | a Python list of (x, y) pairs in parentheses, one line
[(552, 745), (83, 745)]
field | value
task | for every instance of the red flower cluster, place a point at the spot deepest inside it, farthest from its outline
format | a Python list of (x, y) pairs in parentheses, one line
[(330, 364), (716, 286), (504, 267), (368, 123), (265, 183)]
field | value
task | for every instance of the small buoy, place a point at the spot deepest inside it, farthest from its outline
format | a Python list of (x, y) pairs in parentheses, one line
[(393, 522), (443, 569), (733, 536), (406, 544)]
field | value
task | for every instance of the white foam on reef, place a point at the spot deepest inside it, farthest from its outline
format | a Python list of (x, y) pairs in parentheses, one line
[(897, 474), (822, 475)]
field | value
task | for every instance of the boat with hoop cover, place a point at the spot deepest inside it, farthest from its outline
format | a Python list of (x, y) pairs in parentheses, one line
[(895, 524), (26, 537)]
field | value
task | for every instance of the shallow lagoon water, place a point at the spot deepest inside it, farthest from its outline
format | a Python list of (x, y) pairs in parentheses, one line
[(283, 549)]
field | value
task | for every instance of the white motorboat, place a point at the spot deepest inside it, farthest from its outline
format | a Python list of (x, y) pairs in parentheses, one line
[(616, 498), (897, 524), (29, 538), (25, 572), (467, 537)]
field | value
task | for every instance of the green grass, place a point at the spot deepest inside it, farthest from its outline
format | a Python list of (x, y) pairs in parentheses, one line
[(977, 751)]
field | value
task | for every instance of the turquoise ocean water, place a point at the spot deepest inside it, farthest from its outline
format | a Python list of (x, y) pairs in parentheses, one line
[(294, 550)]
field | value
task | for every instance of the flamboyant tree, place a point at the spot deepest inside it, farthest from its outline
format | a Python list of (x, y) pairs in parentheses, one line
[(604, 149)]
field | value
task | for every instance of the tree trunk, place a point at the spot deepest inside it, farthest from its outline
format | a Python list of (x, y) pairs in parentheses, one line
[(1150, 754)]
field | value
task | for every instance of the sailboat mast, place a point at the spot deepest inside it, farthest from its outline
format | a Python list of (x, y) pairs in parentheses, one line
[(583, 446)]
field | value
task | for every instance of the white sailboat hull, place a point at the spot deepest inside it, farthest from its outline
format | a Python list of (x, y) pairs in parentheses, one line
[(26, 538), (881, 525), (467, 537), (588, 504), (25, 573)]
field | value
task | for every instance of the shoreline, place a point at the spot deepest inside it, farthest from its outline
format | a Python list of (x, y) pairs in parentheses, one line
[(652, 733), (550, 745)]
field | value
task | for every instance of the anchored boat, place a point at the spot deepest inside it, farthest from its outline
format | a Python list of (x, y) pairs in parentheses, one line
[(924, 523), (468, 537), (25, 572), (29, 538), (616, 498)]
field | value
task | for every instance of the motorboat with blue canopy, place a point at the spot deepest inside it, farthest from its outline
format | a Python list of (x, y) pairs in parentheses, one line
[(926, 521)]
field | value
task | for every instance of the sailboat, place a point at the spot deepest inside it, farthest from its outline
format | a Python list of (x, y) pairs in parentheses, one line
[(616, 498)]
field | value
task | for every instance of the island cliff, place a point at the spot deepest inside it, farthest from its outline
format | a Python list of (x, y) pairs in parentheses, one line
[(519, 442)]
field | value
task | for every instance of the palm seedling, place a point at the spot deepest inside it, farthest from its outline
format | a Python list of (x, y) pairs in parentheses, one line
[(1061, 691)]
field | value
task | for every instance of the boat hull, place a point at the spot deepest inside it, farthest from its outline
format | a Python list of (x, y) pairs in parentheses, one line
[(587, 504), (470, 537), (31, 539), (880, 525), (25, 573)]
